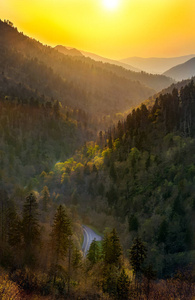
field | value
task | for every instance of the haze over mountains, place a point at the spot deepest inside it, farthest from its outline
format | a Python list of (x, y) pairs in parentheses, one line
[(156, 65), (182, 71), (75, 52), (153, 65), (76, 81), (67, 51), (69, 157), (110, 61)]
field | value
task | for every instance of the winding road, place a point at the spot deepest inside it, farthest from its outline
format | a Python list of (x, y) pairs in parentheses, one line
[(89, 236)]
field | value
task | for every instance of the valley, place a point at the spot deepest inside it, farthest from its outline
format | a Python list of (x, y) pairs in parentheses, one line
[(86, 140)]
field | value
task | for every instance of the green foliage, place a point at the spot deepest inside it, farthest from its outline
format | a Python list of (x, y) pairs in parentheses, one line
[(94, 254), (123, 286), (137, 255), (60, 235), (111, 248), (15, 229), (45, 198), (30, 228), (109, 283), (133, 223), (76, 258)]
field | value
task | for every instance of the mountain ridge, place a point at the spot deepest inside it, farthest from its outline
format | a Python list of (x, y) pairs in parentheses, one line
[(79, 81), (182, 71), (156, 65)]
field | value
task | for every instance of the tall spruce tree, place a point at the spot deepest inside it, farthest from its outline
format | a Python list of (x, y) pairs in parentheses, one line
[(112, 250), (137, 255), (60, 239), (93, 254), (30, 228), (123, 286), (45, 198)]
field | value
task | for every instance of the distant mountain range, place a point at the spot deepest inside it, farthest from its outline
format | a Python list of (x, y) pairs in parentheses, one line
[(178, 68), (67, 51), (76, 81), (156, 65), (75, 52), (182, 71), (110, 61)]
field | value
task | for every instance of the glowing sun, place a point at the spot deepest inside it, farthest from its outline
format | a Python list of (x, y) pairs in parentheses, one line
[(110, 4)]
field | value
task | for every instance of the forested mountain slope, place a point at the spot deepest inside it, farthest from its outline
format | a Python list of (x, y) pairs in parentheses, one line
[(66, 51), (182, 71), (138, 177), (145, 175), (157, 65), (110, 61), (150, 102), (96, 87)]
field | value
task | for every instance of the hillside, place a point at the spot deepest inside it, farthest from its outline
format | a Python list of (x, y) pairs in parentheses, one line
[(156, 65), (66, 51), (143, 178), (182, 71), (133, 182), (76, 82), (97, 86), (110, 61), (150, 102)]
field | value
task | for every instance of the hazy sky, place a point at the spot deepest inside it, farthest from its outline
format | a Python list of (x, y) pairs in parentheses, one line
[(111, 28)]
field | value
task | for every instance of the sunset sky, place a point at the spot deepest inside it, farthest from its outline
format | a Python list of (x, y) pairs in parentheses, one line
[(111, 28)]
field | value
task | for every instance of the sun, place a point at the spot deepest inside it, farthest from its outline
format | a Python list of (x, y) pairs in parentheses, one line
[(111, 4)]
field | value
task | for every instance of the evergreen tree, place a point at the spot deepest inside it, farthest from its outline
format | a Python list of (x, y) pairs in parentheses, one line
[(45, 198), (112, 250), (15, 229), (150, 275), (137, 255), (30, 228), (76, 258), (123, 286), (60, 236), (109, 282), (93, 254)]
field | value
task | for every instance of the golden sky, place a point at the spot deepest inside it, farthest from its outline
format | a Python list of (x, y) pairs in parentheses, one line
[(111, 28)]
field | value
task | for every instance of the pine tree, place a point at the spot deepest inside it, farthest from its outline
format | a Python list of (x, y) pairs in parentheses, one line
[(76, 258), (112, 250), (123, 285), (150, 275), (14, 229), (93, 254), (137, 254), (45, 198), (30, 228), (60, 236)]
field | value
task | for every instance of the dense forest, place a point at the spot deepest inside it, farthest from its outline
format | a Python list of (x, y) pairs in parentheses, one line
[(78, 82), (138, 178), (134, 181)]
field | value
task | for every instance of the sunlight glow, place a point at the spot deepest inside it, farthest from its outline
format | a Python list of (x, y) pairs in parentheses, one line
[(109, 28), (111, 4)]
